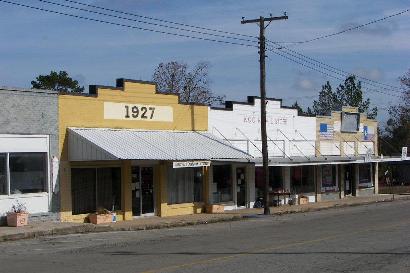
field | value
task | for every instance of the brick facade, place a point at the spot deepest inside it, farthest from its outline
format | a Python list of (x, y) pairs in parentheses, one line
[(32, 112)]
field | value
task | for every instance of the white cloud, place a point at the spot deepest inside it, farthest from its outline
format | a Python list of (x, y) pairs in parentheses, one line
[(370, 73)]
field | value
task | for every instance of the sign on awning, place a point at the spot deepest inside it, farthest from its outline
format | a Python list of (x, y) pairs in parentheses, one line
[(191, 164)]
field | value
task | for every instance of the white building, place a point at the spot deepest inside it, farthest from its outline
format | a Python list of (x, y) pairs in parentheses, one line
[(299, 159)]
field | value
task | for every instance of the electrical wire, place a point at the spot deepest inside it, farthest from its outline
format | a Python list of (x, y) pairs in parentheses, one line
[(388, 86), (336, 71), (325, 73), (159, 20), (170, 33), (127, 26), (214, 30), (348, 29), (147, 23)]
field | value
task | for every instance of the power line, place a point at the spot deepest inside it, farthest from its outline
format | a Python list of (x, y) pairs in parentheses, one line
[(325, 73), (127, 26), (338, 69), (159, 20), (145, 22), (206, 33), (170, 33), (335, 70), (348, 29)]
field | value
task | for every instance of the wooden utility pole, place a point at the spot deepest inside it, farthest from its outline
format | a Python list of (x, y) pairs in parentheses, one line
[(262, 48)]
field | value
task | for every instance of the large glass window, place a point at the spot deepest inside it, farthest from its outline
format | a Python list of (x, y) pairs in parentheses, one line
[(222, 185), (302, 179), (83, 190), (365, 175), (28, 172), (94, 189), (275, 180), (109, 188), (184, 185), (329, 182), (3, 174)]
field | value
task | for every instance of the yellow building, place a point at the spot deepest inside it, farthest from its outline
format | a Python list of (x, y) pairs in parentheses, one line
[(135, 151)]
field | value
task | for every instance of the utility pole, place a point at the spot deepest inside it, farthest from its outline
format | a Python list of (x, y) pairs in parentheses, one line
[(262, 48)]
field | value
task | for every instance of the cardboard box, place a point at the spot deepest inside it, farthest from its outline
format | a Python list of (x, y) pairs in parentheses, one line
[(303, 200), (215, 208)]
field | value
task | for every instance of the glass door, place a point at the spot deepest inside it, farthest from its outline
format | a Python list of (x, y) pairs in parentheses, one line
[(142, 186), (349, 180), (240, 187), (136, 190), (147, 190)]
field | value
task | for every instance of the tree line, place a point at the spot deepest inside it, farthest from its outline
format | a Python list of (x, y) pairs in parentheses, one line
[(193, 86)]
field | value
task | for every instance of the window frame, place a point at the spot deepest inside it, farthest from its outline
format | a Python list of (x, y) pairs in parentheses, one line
[(95, 193), (47, 178), (335, 179), (232, 193), (370, 182), (172, 174)]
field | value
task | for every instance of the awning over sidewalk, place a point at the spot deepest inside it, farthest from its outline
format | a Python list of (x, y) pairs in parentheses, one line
[(90, 144), (319, 160)]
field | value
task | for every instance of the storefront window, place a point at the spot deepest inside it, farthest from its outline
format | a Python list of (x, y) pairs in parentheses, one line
[(83, 190), (329, 182), (109, 188), (184, 185), (3, 174), (93, 189), (302, 179), (275, 180), (222, 185), (365, 179), (28, 172)]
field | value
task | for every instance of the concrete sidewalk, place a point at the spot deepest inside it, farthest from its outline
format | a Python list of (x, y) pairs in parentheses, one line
[(41, 229)]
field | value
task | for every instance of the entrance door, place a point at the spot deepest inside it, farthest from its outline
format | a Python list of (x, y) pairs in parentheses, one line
[(349, 180), (142, 190), (147, 190), (240, 187)]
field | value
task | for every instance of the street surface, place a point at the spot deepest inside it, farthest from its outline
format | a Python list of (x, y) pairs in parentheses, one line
[(371, 238)]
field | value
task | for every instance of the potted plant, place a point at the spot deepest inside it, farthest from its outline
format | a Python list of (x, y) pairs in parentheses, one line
[(102, 216), (17, 216)]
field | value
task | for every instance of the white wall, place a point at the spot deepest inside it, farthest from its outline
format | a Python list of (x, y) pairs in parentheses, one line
[(242, 127), (35, 202), (364, 146), (330, 147)]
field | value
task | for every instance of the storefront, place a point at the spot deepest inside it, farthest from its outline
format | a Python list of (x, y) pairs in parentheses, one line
[(28, 152), (137, 152), (350, 135), (290, 138), (322, 158)]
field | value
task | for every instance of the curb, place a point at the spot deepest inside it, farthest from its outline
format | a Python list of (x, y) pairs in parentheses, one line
[(90, 228)]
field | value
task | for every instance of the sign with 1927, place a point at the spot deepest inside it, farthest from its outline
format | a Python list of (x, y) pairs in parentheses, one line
[(140, 112)]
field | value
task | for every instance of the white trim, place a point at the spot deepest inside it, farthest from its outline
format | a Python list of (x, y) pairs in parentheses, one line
[(8, 173), (23, 195), (18, 143)]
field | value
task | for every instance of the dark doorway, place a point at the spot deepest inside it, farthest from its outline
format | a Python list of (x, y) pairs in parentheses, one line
[(240, 187), (350, 185)]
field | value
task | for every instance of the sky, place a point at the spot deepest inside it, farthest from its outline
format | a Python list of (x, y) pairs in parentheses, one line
[(33, 42)]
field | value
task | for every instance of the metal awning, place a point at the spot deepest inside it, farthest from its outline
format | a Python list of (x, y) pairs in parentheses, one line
[(91, 144), (316, 160)]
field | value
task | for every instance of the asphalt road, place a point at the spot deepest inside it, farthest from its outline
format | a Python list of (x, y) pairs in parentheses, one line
[(371, 238)]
